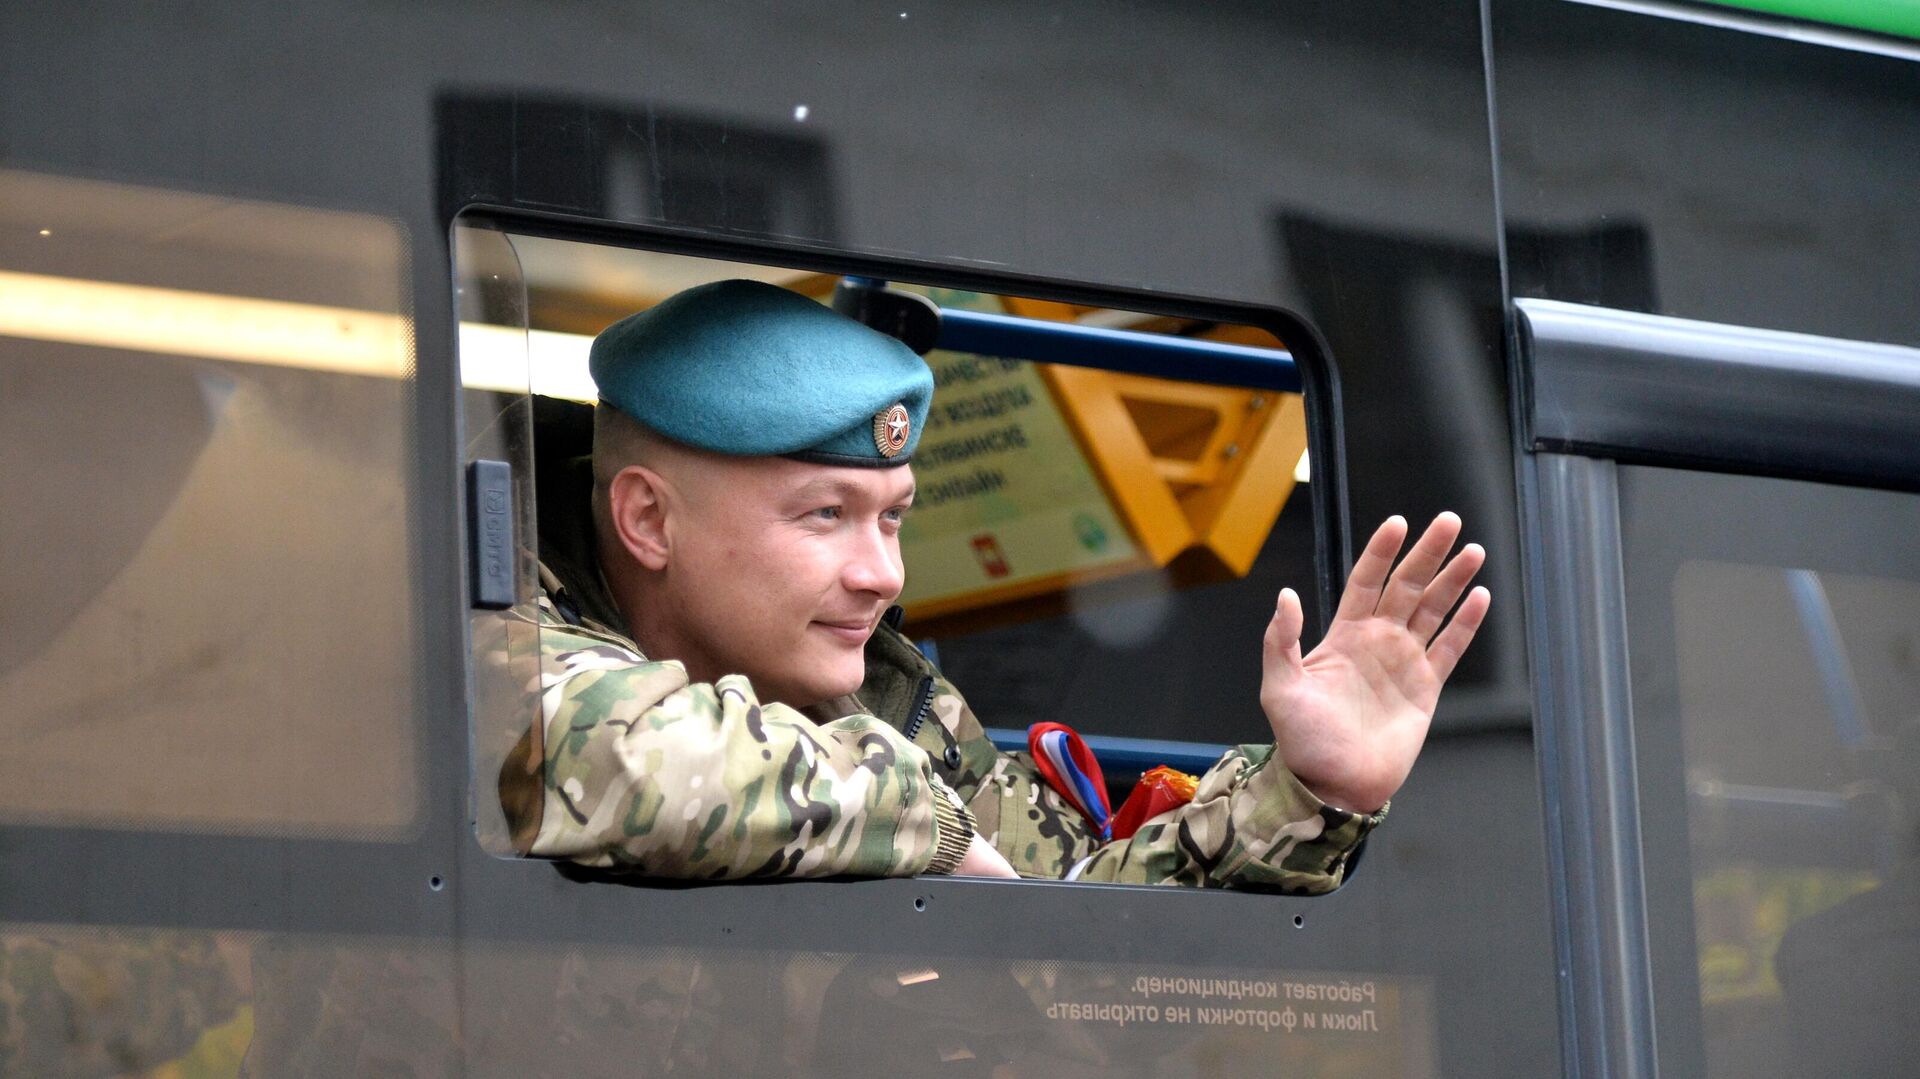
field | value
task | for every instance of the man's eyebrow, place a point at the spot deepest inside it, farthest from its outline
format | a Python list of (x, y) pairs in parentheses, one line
[(840, 488)]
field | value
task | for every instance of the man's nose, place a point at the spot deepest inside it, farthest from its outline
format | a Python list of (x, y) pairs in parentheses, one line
[(874, 566)]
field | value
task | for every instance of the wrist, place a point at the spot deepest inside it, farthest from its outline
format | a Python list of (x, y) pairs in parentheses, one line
[(1344, 801), (1361, 799)]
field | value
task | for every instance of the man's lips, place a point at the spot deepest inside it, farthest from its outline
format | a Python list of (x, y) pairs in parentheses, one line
[(853, 632)]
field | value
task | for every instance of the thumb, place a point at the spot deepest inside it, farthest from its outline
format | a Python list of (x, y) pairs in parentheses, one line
[(1281, 645)]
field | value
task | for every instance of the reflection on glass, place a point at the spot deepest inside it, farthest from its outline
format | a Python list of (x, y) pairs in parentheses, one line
[(216, 1004), (123, 1001), (205, 421), (1800, 713), (491, 303)]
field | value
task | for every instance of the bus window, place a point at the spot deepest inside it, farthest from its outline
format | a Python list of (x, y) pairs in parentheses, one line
[(206, 408), (1091, 542), (1776, 692)]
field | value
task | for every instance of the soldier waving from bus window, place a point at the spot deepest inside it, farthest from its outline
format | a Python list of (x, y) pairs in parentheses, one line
[(725, 696)]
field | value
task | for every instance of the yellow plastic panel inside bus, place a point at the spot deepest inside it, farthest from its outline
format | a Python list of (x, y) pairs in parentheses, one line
[(1036, 477)]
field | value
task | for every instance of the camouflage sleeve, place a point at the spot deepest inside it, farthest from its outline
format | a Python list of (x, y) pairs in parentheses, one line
[(642, 770), (1251, 823)]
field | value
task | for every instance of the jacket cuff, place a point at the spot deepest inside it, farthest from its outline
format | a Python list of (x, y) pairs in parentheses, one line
[(953, 830), (1342, 833)]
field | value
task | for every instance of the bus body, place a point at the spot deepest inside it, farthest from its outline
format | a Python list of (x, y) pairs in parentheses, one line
[(1629, 285)]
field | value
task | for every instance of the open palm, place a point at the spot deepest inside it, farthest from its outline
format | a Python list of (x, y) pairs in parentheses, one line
[(1350, 717)]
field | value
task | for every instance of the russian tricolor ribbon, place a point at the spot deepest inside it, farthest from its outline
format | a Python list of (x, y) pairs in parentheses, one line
[(1069, 767)]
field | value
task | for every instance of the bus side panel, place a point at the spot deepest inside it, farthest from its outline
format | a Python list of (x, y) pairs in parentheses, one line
[(1326, 161)]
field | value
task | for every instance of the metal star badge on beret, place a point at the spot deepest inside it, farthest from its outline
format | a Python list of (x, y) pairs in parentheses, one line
[(890, 430)]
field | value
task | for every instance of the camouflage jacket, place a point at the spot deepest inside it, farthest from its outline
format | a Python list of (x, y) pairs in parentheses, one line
[(639, 768)]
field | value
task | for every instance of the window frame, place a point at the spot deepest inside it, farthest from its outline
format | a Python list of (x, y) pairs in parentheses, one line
[(1607, 389), (1319, 386)]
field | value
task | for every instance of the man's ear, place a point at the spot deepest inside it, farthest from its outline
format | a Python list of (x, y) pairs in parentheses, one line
[(637, 501)]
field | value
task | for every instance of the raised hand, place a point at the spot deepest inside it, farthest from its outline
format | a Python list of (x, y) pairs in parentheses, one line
[(1350, 717)]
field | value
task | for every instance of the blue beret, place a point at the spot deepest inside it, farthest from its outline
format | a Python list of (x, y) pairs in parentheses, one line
[(747, 368)]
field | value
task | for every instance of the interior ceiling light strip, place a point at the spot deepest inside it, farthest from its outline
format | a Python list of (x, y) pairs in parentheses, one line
[(515, 361), (243, 329), (180, 323)]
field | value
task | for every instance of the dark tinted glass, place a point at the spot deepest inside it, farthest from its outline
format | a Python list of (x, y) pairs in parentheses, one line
[(196, 395), (1776, 693)]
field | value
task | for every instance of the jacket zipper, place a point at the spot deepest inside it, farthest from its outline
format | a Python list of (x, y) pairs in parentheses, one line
[(923, 704)]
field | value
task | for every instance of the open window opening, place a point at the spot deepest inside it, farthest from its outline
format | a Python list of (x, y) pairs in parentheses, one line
[(1107, 499)]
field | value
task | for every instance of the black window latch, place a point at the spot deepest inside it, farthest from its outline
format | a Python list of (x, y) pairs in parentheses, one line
[(490, 533)]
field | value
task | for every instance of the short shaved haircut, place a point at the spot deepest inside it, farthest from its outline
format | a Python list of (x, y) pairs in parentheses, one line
[(619, 441)]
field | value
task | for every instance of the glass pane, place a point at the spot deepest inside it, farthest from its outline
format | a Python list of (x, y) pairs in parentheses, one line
[(1793, 616), (497, 414), (204, 409), (135, 1000)]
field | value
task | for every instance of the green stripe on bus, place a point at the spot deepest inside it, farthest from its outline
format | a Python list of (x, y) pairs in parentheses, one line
[(1882, 16)]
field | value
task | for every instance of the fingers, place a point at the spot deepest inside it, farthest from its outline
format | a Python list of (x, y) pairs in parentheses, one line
[(1403, 592), (1281, 644), (1369, 574), (1444, 592), (1445, 651)]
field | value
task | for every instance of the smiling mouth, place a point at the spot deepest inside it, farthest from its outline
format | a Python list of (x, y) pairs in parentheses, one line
[(857, 632)]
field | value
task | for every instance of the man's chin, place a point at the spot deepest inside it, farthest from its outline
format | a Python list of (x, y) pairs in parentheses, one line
[(846, 686), (824, 676)]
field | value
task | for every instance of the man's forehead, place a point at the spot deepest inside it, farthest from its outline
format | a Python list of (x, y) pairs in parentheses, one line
[(807, 479)]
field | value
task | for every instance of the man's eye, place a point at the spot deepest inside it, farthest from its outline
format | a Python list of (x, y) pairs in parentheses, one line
[(827, 513), (896, 515)]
